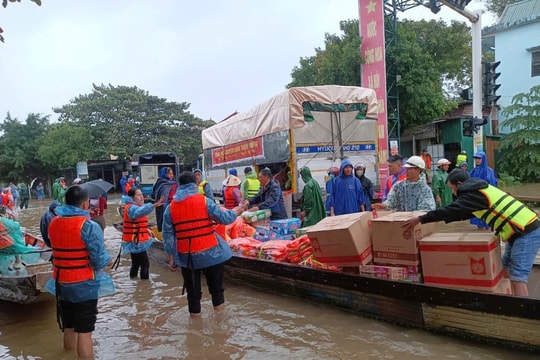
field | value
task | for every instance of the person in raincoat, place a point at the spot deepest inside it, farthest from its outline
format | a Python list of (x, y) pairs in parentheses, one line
[(251, 184), (79, 257), (136, 236), (204, 186), (482, 171), (165, 186), (312, 202), (347, 192), (189, 236), (46, 219), (367, 185), (441, 191), (25, 195), (333, 172)]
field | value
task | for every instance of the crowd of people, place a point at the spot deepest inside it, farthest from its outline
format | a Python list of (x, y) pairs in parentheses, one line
[(188, 218)]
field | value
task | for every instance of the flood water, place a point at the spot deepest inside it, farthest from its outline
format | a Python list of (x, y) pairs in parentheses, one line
[(149, 320)]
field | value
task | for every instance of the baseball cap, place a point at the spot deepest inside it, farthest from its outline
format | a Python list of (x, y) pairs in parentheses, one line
[(415, 161)]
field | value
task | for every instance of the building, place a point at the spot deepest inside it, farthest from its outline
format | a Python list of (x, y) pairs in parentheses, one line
[(516, 41)]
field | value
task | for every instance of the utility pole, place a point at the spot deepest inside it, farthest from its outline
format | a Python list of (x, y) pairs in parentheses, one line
[(476, 27)]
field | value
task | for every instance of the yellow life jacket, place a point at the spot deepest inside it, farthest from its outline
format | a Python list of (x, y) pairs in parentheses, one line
[(253, 188), (506, 215)]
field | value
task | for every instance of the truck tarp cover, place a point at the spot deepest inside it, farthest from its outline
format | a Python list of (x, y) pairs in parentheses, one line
[(284, 112)]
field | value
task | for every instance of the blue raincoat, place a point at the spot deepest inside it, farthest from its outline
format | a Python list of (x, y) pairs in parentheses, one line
[(92, 236), (136, 211), (484, 172), (347, 192)]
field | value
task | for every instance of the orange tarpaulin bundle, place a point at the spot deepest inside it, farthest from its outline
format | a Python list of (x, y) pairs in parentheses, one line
[(299, 249), (245, 246), (275, 250), (239, 229)]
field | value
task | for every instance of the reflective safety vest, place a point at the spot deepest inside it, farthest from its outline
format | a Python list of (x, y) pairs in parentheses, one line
[(201, 186), (135, 230), (460, 158), (389, 182), (193, 228), (254, 185), (505, 215), (71, 258), (230, 201)]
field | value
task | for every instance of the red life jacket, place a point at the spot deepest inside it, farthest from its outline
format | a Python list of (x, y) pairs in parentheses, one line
[(192, 225), (230, 201), (389, 181), (71, 258), (135, 230)]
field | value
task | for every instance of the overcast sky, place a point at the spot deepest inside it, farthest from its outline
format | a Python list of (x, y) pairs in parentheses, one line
[(219, 56)]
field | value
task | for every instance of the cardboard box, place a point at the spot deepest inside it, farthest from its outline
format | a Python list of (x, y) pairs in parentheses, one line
[(504, 287), (392, 244), (262, 233), (462, 260), (253, 216), (277, 236), (343, 240), (384, 272), (285, 226)]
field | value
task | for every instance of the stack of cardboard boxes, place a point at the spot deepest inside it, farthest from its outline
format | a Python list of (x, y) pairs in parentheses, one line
[(381, 247)]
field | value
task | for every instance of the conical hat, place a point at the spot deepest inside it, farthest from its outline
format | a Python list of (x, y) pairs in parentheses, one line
[(232, 180)]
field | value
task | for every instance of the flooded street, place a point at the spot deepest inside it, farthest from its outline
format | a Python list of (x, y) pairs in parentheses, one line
[(149, 320)]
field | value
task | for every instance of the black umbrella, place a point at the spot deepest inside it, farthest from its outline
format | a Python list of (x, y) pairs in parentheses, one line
[(97, 188)]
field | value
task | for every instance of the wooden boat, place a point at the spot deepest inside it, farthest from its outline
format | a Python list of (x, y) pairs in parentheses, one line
[(496, 319), (24, 283)]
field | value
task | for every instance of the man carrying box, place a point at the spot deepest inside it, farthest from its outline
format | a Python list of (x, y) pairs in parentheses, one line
[(511, 220)]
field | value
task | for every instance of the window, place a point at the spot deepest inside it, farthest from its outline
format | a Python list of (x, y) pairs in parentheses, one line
[(535, 63)]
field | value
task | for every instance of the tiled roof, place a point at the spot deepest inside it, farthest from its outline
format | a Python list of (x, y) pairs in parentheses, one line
[(520, 11), (517, 14)]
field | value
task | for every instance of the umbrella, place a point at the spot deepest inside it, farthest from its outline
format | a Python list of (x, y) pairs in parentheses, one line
[(97, 188)]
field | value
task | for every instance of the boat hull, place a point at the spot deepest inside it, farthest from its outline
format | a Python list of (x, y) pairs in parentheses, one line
[(479, 316)]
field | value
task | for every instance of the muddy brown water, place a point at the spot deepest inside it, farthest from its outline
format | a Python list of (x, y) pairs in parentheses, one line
[(149, 320)]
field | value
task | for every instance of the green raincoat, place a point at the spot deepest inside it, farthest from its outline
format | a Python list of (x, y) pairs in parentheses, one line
[(312, 200)]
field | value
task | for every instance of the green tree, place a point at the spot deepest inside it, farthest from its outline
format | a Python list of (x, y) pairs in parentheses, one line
[(19, 145), (338, 63), (520, 148), (64, 145), (126, 120), (433, 58)]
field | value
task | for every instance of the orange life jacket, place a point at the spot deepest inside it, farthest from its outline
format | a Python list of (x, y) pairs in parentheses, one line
[(389, 180), (71, 258), (192, 225), (230, 201), (135, 230), (5, 200)]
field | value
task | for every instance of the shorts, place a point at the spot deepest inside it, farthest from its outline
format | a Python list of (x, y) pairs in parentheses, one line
[(519, 256), (79, 316)]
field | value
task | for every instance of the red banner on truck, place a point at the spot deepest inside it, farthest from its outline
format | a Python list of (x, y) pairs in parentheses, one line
[(243, 150)]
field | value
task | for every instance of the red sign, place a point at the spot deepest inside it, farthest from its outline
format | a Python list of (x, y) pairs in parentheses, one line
[(371, 19), (244, 150)]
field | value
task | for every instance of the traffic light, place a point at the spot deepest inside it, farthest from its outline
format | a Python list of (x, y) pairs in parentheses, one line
[(459, 3), (490, 83), (472, 124), (434, 6), (468, 127)]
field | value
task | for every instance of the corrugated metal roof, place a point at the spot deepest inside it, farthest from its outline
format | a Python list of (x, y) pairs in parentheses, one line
[(526, 10)]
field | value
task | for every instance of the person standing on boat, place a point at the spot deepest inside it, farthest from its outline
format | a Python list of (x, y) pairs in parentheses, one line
[(165, 186), (397, 173), (312, 203), (347, 192), (188, 234), (512, 221), (268, 197), (333, 172), (251, 185), (441, 192), (231, 193), (411, 194), (136, 236), (79, 256), (482, 171), (45, 221)]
